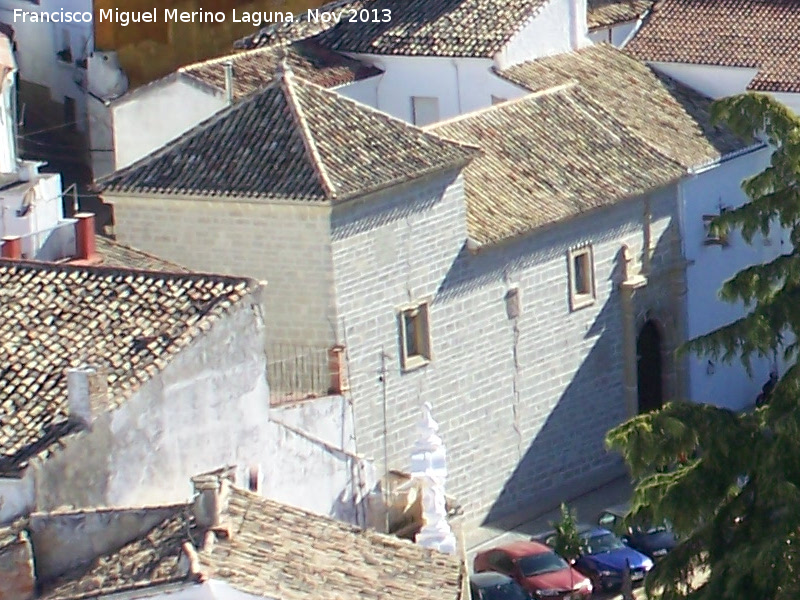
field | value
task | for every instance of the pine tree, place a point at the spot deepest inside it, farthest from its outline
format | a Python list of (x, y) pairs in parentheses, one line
[(729, 482)]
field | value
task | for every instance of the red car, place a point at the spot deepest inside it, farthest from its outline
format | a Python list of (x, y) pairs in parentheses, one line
[(542, 572)]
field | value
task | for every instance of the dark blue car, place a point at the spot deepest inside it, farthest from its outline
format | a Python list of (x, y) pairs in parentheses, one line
[(654, 540), (603, 558)]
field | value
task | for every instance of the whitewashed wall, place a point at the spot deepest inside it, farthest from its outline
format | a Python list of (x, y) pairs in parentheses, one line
[(364, 91), (711, 80), (461, 85), (329, 419), (559, 27), (148, 118), (45, 220), (38, 43), (208, 408), (616, 35), (709, 266), (717, 82), (17, 497)]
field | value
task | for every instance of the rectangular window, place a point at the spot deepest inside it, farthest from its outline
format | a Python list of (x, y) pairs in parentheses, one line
[(425, 110), (581, 277), (415, 340)]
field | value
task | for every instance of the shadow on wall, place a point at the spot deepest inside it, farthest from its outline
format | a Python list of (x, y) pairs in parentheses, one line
[(567, 457)]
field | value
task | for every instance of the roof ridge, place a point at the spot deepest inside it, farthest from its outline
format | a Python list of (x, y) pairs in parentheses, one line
[(114, 270), (287, 83), (531, 96), (585, 98), (233, 55)]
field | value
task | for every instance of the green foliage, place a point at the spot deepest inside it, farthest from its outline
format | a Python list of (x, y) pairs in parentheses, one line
[(567, 542), (728, 482)]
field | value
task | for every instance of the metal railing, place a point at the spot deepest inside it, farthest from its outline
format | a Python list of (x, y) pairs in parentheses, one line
[(300, 372)]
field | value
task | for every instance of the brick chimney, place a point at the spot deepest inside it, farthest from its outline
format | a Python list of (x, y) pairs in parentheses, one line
[(12, 247), (17, 578), (85, 243), (87, 394), (337, 367)]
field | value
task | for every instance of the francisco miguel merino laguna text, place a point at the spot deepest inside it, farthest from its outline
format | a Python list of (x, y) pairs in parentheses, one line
[(173, 15)]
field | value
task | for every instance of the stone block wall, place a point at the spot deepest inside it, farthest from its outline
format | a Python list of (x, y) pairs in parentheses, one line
[(288, 245), (524, 403)]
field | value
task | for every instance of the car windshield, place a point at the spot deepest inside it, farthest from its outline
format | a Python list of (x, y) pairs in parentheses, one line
[(504, 591), (547, 562), (605, 542)]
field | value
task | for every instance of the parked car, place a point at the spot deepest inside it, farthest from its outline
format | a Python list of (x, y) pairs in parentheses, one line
[(539, 570), (653, 540), (496, 586), (603, 557)]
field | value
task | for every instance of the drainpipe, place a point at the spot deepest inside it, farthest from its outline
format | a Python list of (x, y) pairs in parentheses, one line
[(228, 65), (578, 22), (458, 84)]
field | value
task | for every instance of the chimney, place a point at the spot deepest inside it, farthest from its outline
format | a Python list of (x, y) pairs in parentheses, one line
[(85, 243), (338, 370), (228, 65), (17, 578), (87, 394), (210, 500), (12, 247)]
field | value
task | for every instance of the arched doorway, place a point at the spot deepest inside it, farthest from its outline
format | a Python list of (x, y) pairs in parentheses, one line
[(649, 369)]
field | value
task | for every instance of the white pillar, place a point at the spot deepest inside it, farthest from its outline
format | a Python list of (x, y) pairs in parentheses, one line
[(429, 470)]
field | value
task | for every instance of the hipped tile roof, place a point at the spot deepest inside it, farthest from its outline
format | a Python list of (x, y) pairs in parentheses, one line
[(459, 28), (669, 116), (292, 141), (606, 13), (760, 34), (274, 551), (550, 157), (129, 323), (255, 69)]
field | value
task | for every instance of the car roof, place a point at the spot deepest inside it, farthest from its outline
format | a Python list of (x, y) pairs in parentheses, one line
[(523, 548), (489, 579), (591, 530)]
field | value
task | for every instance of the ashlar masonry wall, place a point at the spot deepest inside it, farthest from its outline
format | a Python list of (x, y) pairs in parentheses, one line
[(287, 245), (523, 404)]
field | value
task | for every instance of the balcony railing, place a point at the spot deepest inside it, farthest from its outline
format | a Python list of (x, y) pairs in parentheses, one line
[(302, 372)]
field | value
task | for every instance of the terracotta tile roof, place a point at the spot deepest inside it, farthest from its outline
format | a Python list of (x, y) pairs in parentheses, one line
[(477, 28), (298, 29), (605, 13), (279, 551), (114, 254), (669, 116), (128, 322), (293, 141), (761, 34), (274, 551), (549, 157), (150, 560), (255, 69)]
